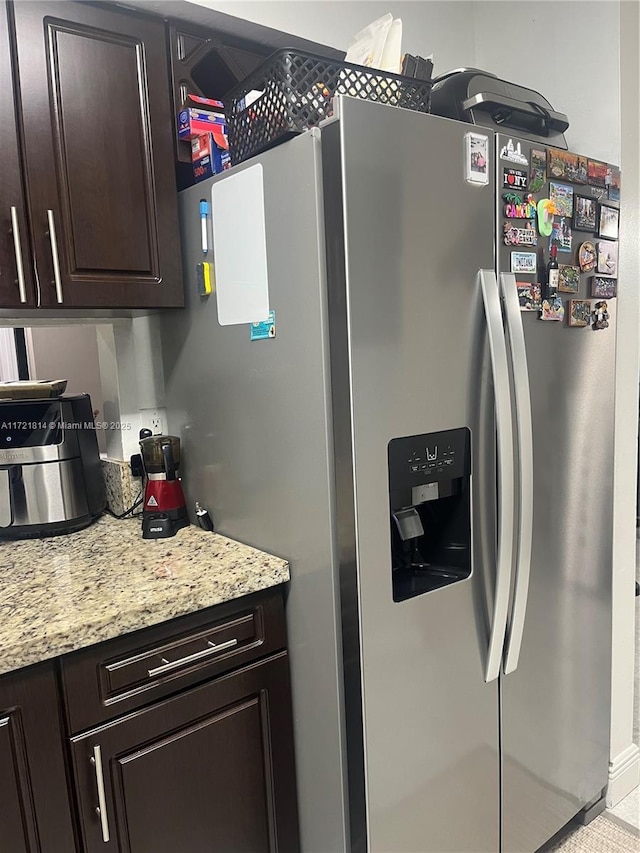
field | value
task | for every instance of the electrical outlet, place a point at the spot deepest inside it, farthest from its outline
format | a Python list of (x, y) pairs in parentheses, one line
[(155, 420)]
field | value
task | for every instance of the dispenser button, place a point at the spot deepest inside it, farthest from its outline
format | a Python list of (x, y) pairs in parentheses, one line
[(414, 468), (448, 461)]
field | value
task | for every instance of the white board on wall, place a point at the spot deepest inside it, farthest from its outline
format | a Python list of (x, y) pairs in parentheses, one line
[(240, 247)]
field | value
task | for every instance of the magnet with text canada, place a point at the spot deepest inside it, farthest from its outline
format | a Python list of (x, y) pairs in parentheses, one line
[(600, 318), (514, 179)]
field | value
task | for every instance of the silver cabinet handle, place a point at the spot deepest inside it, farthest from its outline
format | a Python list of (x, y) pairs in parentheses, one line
[(54, 256), (17, 246), (500, 368), (524, 433), (169, 665), (96, 760)]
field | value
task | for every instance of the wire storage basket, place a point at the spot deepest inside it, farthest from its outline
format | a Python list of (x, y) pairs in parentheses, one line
[(293, 90)]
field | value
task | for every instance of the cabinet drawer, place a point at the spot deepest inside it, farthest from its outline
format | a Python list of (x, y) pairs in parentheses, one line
[(105, 681)]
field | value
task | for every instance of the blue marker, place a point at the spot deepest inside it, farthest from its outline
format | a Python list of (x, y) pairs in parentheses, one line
[(204, 212)]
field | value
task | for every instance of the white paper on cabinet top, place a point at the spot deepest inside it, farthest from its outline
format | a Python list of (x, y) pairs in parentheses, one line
[(240, 247)]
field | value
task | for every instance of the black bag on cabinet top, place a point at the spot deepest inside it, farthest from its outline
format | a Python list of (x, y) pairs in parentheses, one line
[(479, 97)]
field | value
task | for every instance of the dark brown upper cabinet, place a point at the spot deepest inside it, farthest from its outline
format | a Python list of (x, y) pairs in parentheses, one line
[(97, 128), (16, 275)]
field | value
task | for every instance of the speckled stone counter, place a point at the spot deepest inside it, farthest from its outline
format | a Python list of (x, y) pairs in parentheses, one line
[(67, 592)]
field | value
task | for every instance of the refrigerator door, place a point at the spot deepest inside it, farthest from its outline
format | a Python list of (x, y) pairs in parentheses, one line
[(406, 235), (555, 706), (254, 417)]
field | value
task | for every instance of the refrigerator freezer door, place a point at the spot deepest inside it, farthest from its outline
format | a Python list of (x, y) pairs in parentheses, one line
[(409, 355), (255, 424), (556, 704)]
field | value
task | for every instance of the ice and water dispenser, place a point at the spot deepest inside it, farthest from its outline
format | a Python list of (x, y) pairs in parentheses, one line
[(430, 505)]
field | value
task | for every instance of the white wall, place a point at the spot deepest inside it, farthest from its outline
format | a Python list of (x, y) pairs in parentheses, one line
[(441, 27), (68, 352)]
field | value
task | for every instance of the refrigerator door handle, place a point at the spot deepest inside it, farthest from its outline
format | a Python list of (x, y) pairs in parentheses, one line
[(504, 424), (524, 434)]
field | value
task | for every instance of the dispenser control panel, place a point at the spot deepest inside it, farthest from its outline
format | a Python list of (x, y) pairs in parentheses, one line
[(431, 457)]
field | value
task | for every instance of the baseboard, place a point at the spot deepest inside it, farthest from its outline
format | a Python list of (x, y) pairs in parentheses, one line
[(624, 775)]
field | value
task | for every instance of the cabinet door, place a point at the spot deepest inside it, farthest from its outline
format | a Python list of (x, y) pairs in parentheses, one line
[(98, 143), (16, 279), (208, 770), (35, 815)]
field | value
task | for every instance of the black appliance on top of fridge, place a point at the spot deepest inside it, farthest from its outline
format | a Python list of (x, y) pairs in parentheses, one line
[(435, 463)]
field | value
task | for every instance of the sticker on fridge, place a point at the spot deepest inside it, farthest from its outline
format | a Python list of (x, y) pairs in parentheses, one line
[(514, 179), (264, 329), (476, 158), (523, 262)]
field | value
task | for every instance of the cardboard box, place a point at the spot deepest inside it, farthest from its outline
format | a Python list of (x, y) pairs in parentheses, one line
[(198, 115), (210, 153)]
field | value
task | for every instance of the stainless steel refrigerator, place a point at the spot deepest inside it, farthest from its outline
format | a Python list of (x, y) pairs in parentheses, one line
[(437, 468)]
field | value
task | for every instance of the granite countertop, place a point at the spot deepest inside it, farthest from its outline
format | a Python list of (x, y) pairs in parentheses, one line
[(66, 592)]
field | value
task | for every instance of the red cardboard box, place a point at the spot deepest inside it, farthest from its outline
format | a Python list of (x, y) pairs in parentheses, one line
[(198, 115), (210, 153)]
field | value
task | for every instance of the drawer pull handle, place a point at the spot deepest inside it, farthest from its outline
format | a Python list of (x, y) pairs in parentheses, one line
[(213, 648), (101, 811)]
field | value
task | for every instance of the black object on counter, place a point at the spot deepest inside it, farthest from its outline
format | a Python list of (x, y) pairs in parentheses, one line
[(203, 518)]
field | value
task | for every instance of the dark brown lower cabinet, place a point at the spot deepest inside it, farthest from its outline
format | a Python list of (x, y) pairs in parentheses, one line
[(35, 815), (210, 769)]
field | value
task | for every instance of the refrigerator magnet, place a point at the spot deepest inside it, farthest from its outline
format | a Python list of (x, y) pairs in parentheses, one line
[(562, 197), (476, 158), (600, 318), (604, 288), (561, 233), (545, 210), (597, 173), (614, 186), (514, 179), (587, 257), (608, 222), (538, 172), (523, 234), (513, 153), (585, 211), (523, 262), (568, 278), (529, 296), (519, 207), (552, 309), (579, 312), (607, 262)]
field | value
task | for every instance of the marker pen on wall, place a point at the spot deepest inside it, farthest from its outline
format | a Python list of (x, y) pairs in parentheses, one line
[(204, 212)]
